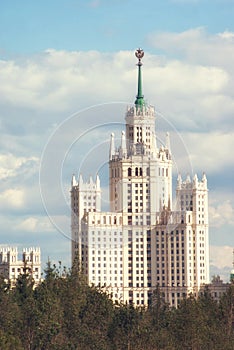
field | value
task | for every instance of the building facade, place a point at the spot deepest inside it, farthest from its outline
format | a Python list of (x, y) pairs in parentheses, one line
[(11, 267), (217, 288), (142, 242)]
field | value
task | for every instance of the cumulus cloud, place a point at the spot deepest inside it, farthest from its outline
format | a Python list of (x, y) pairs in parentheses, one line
[(202, 68), (197, 45), (12, 198), (35, 224), (11, 165), (55, 80), (221, 256), (206, 148), (222, 214), (60, 81), (21, 200), (18, 189)]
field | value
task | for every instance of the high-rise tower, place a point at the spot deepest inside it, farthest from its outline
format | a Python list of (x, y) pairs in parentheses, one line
[(141, 242)]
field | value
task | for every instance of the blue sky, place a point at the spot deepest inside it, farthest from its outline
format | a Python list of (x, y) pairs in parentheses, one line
[(58, 58), (104, 25)]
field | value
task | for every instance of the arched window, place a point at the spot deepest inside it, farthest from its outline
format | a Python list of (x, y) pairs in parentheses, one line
[(148, 171), (136, 171), (141, 172), (129, 172)]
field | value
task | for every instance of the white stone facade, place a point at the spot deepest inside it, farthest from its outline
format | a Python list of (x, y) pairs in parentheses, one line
[(11, 267), (141, 242)]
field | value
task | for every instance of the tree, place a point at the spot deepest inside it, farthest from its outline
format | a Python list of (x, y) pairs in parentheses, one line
[(48, 298), (185, 325), (210, 321), (227, 317), (124, 327), (28, 320), (9, 342), (10, 317), (159, 313)]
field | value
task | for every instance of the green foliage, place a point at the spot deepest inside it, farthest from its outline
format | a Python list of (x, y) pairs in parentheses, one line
[(124, 327), (64, 313), (227, 317), (9, 342)]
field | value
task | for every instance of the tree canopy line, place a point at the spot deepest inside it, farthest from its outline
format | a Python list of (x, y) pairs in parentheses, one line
[(64, 313)]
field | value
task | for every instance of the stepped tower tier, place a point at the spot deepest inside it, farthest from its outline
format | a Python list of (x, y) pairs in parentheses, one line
[(139, 163)]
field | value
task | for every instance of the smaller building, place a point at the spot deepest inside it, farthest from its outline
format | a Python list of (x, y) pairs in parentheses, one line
[(11, 268), (232, 276), (217, 288)]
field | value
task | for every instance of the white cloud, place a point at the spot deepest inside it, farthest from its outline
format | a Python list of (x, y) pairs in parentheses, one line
[(196, 77), (22, 198), (222, 214), (210, 152), (221, 256), (12, 198), (19, 183), (221, 261), (186, 78), (196, 45), (227, 35), (58, 80), (35, 224), (11, 165)]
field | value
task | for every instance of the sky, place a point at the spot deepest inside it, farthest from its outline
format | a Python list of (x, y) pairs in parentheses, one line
[(67, 73)]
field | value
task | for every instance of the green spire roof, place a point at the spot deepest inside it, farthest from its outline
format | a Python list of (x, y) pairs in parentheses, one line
[(139, 102)]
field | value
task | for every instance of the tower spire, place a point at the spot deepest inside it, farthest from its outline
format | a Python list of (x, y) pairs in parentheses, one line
[(140, 97)]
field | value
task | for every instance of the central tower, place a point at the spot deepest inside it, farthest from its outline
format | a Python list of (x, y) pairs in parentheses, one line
[(140, 180), (139, 163)]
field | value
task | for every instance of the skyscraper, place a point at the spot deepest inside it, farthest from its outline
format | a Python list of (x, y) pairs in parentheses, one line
[(142, 242)]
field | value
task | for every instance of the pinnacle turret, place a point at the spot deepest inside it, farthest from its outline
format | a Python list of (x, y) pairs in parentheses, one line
[(112, 146), (123, 148), (168, 143)]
